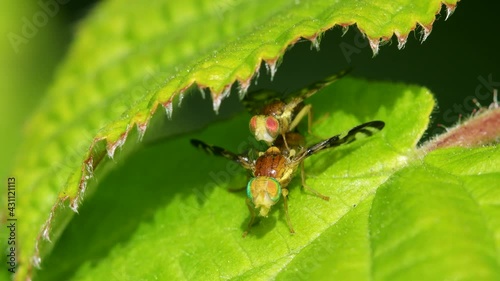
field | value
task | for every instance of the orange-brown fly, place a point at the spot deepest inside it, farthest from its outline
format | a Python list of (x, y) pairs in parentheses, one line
[(274, 115), (273, 170)]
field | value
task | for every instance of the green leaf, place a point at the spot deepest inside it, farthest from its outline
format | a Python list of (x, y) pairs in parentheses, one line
[(392, 214), (167, 215), (130, 59), (434, 223)]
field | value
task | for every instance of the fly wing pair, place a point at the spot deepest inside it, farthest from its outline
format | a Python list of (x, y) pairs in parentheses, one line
[(273, 170), (365, 129)]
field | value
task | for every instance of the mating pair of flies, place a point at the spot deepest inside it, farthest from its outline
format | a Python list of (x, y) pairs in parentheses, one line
[(275, 122)]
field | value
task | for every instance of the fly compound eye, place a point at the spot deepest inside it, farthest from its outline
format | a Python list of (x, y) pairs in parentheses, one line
[(273, 189), (264, 191), (249, 188), (253, 124), (264, 128), (272, 126)]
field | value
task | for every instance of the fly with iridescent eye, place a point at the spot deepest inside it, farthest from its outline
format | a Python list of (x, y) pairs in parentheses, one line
[(274, 115), (274, 168)]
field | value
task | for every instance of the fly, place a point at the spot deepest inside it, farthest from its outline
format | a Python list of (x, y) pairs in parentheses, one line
[(274, 116), (273, 170)]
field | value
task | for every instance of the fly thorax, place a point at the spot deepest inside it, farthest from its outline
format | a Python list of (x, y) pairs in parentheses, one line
[(271, 164)]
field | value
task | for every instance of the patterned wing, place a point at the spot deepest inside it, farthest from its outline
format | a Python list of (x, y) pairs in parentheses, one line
[(315, 87), (366, 129), (219, 151)]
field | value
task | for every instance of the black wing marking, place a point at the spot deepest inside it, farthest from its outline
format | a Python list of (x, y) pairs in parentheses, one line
[(219, 151), (367, 129), (315, 87)]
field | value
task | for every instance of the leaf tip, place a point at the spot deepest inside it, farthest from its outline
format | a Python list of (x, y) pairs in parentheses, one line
[(374, 44), (89, 168), (271, 66), (426, 31), (46, 227), (112, 146), (243, 87), (181, 97), (74, 204), (36, 260), (450, 9), (401, 40), (202, 91), (315, 41), (46, 234), (345, 28), (218, 97), (168, 108), (141, 130)]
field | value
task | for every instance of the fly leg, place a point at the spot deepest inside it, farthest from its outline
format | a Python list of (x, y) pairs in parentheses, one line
[(284, 192), (285, 142), (305, 110), (313, 191), (252, 217)]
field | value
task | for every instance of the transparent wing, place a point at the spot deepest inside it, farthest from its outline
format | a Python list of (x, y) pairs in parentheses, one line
[(315, 87)]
